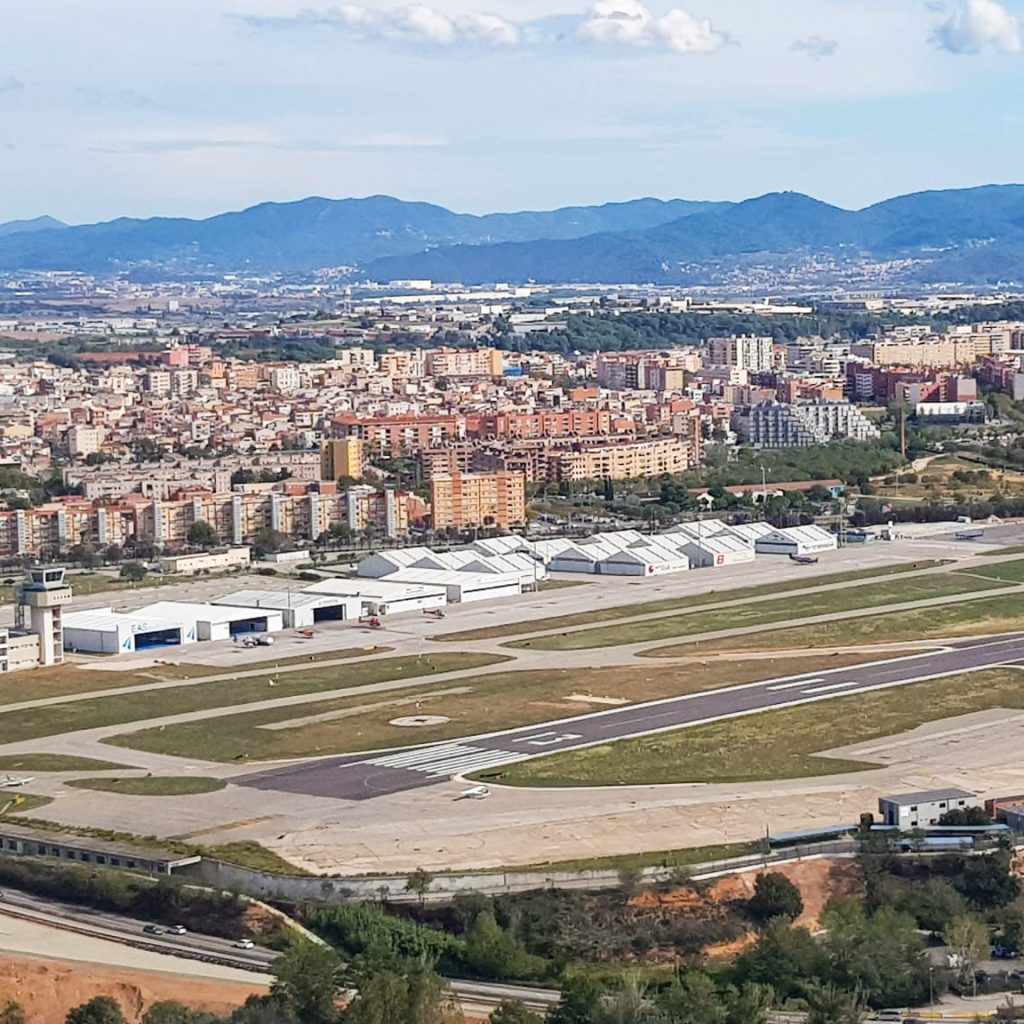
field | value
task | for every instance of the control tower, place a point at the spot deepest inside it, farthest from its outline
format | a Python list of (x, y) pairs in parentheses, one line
[(41, 600)]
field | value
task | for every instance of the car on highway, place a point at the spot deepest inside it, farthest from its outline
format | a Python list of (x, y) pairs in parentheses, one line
[(178, 929), (245, 944), (153, 929)]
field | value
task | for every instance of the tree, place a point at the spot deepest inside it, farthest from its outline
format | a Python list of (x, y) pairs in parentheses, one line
[(419, 883), (306, 978), (775, 896), (579, 1003), (693, 999), (12, 1013), (417, 996), (512, 1011), (134, 572), (750, 1004), (965, 816), (264, 1010), (493, 953), (202, 534), (827, 1004), (629, 1005), (100, 1010), (967, 938), (171, 1012)]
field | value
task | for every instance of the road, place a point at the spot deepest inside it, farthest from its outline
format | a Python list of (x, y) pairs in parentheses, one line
[(473, 996), (120, 928), (364, 777)]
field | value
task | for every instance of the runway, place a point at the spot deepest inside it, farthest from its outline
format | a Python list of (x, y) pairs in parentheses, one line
[(367, 776)]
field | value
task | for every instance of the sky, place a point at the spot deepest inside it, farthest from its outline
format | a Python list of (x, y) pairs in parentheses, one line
[(192, 107)]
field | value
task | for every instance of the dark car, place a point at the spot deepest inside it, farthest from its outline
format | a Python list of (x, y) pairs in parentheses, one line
[(152, 929)]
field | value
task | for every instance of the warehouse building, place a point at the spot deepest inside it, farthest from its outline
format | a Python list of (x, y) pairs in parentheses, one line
[(104, 631), (216, 622), (462, 587), (796, 541), (719, 550), (298, 610), (381, 597)]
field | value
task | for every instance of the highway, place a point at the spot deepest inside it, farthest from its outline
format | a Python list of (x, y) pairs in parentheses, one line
[(367, 776), (474, 997), (119, 928)]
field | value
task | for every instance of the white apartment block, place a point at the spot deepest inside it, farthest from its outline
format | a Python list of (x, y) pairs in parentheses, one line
[(746, 352), (784, 426)]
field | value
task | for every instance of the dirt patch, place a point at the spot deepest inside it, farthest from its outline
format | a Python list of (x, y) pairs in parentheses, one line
[(818, 881), (48, 989)]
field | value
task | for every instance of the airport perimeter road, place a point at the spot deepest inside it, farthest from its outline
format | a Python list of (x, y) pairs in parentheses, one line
[(367, 776), (125, 929)]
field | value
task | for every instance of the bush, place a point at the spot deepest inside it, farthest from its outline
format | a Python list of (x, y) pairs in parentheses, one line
[(775, 896)]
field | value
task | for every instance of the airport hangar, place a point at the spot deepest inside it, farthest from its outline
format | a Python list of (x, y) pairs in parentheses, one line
[(163, 624)]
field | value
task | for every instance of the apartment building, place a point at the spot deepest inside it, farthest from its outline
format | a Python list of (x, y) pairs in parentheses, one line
[(548, 423), (341, 457), (631, 460), (780, 426), (84, 439), (400, 435), (464, 500), (389, 513), (465, 362), (745, 352)]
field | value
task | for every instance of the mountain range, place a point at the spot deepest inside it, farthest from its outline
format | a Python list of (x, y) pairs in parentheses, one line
[(966, 236)]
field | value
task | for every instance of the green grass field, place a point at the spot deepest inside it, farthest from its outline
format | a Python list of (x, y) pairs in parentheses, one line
[(152, 785), (54, 763), (22, 803), (781, 744), (1010, 572), (672, 603), (918, 588), (31, 723), (72, 678), (973, 618), (494, 701)]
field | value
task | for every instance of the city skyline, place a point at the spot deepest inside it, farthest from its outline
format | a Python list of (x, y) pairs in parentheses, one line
[(244, 101)]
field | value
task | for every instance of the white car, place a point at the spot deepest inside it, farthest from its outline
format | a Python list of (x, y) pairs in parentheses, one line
[(178, 929), (244, 944)]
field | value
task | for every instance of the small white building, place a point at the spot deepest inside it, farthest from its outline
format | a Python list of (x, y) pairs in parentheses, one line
[(104, 631), (796, 540), (920, 810)]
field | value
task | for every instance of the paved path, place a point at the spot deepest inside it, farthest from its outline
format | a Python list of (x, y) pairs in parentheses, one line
[(362, 778)]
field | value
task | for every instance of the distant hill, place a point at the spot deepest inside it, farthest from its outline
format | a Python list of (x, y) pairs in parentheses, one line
[(20, 227), (314, 233), (971, 235), (966, 236)]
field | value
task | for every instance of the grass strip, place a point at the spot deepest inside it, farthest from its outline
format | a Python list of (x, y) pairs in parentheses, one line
[(671, 603), (1007, 572), (152, 785), (973, 618), (875, 595), (71, 679), (784, 744), (97, 712), (497, 701), (55, 763)]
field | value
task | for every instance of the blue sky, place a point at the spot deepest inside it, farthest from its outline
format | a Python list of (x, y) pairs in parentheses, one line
[(192, 107)]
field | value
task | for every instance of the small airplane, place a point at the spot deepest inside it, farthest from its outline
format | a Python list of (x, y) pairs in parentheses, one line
[(10, 782), (804, 559), (476, 793)]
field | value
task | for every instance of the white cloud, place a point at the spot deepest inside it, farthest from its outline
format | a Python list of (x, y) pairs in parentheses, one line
[(979, 26), (412, 23), (631, 23), (816, 47)]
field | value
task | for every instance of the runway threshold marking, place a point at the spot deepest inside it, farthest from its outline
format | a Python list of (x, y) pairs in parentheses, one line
[(834, 686), (794, 686)]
